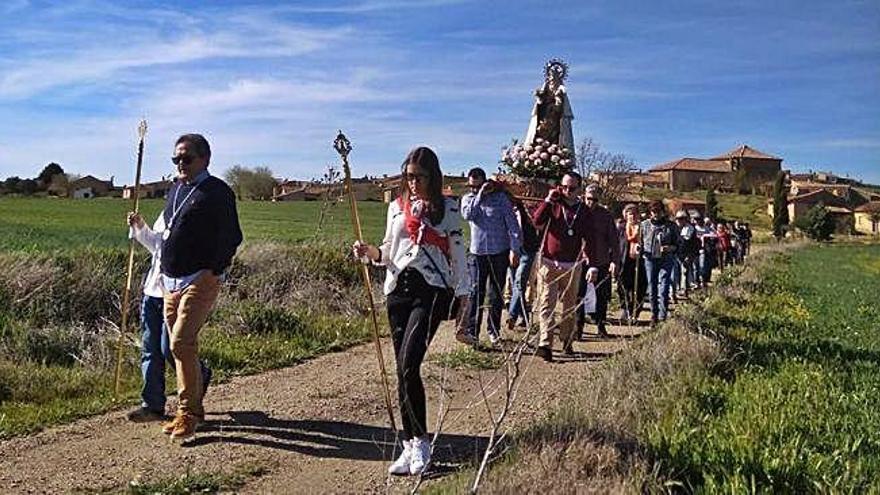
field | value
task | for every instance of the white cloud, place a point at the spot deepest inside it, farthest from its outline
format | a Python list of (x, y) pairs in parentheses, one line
[(242, 36)]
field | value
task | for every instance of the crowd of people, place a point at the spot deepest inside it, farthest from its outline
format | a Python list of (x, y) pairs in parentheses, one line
[(582, 250), (560, 257)]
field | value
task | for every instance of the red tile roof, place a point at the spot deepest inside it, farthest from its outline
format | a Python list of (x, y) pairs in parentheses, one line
[(694, 164), (744, 151), (872, 207), (821, 195)]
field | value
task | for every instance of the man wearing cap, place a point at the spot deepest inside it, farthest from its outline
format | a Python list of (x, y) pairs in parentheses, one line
[(659, 243), (603, 254)]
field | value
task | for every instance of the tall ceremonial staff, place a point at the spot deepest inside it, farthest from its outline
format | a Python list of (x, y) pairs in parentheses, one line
[(343, 147), (126, 292)]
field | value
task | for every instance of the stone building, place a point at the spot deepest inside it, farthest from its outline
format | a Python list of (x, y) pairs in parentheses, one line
[(743, 168), (90, 187), (867, 218)]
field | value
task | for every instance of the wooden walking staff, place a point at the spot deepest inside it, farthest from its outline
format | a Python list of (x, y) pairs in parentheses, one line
[(126, 292), (343, 147)]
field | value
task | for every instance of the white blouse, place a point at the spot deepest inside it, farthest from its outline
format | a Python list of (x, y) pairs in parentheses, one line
[(152, 240), (399, 252)]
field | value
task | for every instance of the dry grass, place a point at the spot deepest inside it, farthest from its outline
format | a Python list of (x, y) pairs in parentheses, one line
[(592, 443)]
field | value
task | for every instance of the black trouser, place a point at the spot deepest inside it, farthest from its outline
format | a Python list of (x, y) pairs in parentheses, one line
[(414, 314), (491, 270), (632, 291), (603, 294)]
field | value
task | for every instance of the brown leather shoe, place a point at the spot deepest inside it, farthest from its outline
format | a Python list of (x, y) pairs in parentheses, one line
[(170, 426), (186, 427)]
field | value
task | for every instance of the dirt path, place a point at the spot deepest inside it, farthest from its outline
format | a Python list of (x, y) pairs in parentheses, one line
[(319, 427)]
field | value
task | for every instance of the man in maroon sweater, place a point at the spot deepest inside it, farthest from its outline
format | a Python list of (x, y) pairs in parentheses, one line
[(567, 223), (603, 251)]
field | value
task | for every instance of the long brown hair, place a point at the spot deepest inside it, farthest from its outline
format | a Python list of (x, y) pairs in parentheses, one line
[(427, 160)]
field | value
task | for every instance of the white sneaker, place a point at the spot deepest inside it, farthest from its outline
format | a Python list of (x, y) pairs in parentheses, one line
[(420, 455), (495, 339), (401, 465)]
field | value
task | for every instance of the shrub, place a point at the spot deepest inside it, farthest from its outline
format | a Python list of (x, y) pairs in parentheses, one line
[(258, 318), (817, 223)]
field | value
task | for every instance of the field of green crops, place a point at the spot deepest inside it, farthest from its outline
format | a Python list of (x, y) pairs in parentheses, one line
[(795, 409), (293, 293), (40, 224)]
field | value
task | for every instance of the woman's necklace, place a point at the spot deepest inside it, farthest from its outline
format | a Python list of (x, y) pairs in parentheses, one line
[(570, 224)]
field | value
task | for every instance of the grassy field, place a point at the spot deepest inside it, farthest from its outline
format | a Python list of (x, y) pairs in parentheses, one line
[(39, 224), (769, 385), (795, 408), (293, 293)]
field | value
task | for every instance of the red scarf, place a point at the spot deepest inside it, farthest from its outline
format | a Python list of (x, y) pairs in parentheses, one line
[(420, 231)]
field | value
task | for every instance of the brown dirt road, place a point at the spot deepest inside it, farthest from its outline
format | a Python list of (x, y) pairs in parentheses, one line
[(318, 427)]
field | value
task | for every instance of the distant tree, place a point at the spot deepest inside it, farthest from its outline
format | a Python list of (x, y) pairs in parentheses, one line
[(712, 209), (49, 171), (741, 181), (262, 183), (816, 223), (257, 183), (28, 187), (10, 185), (58, 185), (235, 176), (609, 170), (780, 207)]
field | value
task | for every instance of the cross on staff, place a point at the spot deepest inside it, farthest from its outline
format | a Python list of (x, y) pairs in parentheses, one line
[(343, 146), (126, 292)]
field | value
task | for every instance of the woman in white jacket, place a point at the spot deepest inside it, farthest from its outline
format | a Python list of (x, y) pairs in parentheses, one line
[(424, 257)]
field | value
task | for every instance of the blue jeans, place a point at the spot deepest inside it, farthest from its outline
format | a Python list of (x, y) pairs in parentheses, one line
[(659, 272), (155, 352), (676, 275), (491, 270), (518, 307), (706, 263)]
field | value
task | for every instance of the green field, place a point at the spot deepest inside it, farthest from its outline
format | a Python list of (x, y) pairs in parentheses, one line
[(768, 385), (293, 293), (39, 224), (795, 409)]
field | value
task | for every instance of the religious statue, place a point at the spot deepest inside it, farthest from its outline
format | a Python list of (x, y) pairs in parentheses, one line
[(552, 115)]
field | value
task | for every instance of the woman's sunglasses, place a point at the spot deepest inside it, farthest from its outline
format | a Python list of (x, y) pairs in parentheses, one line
[(416, 177)]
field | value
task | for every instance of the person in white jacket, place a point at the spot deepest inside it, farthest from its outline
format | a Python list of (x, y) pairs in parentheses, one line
[(156, 345), (424, 257)]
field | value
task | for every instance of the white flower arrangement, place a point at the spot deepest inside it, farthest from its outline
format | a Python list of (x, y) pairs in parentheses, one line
[(542, 160)]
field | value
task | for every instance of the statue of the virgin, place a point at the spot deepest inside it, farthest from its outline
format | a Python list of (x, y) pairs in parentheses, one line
[(552, 115)]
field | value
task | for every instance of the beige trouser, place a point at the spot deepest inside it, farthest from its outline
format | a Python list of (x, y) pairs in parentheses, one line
[(185, 313), (555, 286)]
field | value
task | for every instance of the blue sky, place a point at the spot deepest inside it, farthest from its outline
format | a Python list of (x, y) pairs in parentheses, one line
[(270, 82)]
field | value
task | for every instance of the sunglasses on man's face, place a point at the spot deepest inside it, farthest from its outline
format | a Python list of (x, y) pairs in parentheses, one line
[(182, 159), (590, 198), (569, 188)]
